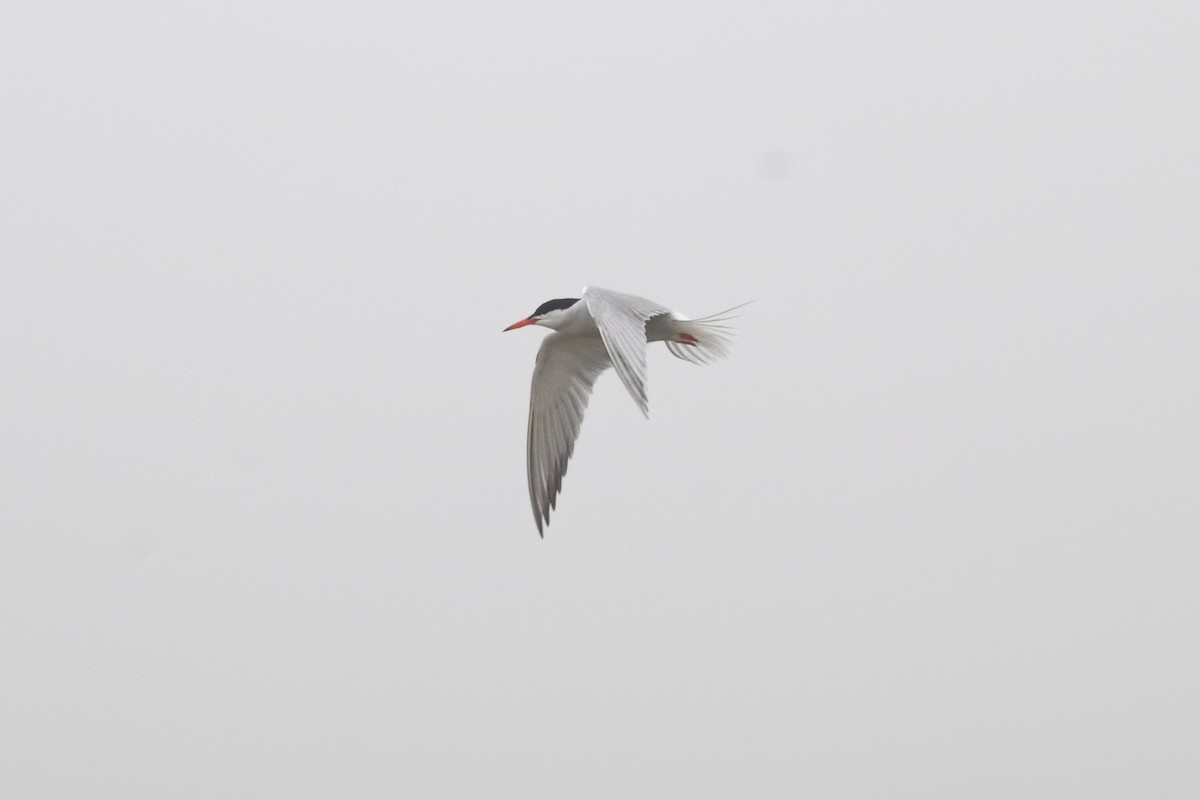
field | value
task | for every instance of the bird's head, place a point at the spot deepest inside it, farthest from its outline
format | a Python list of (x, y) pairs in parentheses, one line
[(549, 314)]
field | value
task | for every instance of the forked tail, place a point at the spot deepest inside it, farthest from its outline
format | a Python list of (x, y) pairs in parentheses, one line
[(703, 340)]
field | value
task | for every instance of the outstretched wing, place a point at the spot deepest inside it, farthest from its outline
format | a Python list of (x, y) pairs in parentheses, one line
[(567, 368), (621, 319)]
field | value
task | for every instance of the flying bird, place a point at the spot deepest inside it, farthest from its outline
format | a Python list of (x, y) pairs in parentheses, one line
[(602, 329)]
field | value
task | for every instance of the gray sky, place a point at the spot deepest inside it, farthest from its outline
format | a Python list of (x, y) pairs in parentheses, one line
[(931, 532)]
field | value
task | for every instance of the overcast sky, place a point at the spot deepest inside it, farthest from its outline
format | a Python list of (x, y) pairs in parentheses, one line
[(931, 532)]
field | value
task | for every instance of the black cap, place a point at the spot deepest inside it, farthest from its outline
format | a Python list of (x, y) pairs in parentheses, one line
[(554, 305)]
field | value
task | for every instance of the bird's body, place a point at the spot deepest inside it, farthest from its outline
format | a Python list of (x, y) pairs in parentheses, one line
[(602, 329)]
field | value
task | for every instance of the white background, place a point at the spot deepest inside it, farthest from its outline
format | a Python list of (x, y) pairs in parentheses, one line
[(930, 532)]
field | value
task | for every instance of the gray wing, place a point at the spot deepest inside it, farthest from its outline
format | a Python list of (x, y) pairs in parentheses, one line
[(567, 368), (621, 319)]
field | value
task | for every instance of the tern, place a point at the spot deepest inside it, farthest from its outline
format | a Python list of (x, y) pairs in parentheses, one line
[(602, 329)]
